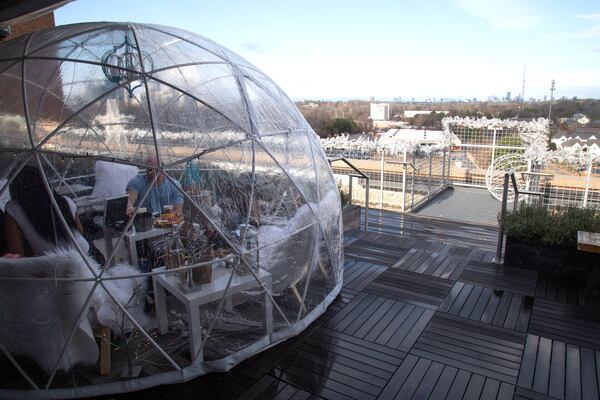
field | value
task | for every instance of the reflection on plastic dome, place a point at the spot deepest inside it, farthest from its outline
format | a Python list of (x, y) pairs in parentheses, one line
[(167, 211)]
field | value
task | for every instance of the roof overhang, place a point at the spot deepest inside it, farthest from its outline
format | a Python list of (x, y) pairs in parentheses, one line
[(12, 11)]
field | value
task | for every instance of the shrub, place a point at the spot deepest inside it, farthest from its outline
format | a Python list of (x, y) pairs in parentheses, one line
[(557, 227), (344, 197)]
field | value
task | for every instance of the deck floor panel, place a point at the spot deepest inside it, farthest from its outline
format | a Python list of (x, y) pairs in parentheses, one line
[(491, 306), (516, 280), (559, 370), (566, 322), (423, 314)]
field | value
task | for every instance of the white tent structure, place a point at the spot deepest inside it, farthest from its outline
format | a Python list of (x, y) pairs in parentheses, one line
[(254, 258)]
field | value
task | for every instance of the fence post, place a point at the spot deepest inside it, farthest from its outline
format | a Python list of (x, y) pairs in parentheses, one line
[(404, 182), (449, 163), (587, 184), (443, 167), (412, 183), (498, 258), (382, 173), (429, 179), (493, 146)]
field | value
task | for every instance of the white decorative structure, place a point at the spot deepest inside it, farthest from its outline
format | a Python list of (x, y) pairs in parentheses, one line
[(259, 200)]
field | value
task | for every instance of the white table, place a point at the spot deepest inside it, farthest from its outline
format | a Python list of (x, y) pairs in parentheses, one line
[(132, 237), (204, 294)]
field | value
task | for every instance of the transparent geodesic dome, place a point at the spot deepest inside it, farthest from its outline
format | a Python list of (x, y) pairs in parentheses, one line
[(174, 212)]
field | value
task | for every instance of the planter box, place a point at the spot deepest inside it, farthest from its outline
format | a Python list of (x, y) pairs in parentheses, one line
[(351, 218), (557, 260)]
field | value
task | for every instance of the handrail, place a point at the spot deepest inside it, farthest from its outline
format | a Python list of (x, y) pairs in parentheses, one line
[(510, 175), (403, 163), (360, 175)]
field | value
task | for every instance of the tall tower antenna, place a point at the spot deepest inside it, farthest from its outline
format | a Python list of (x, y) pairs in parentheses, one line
[(523, 88), (552, 88)]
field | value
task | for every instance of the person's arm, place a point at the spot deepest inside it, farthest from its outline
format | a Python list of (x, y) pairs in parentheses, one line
[(133, 196), (14, 236)]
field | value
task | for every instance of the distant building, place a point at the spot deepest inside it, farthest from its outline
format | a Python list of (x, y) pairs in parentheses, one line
[(508, 96), (380, 111), (412, 113), (582, 138)]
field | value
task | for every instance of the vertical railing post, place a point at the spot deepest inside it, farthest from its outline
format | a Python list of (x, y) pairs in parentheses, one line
[(498, 258), (381, 176), (429, 179), (443, 167), (404, 182), (449, 163), (493, 146), (586, 190), (412, 182), (367, 205)]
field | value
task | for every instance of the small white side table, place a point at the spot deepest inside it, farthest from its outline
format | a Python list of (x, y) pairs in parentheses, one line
[(204, 294)]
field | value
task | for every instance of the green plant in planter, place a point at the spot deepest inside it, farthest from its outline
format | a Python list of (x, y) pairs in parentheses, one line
[(557, 227), (344, 197)]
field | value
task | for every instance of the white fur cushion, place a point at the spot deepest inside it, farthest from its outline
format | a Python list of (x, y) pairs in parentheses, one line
[(37, 317), (112, 179)]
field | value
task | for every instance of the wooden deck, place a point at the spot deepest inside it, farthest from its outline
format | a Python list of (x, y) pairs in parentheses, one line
[(425, 315)]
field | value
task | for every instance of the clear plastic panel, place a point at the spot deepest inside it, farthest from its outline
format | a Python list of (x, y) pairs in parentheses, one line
[(212, 84), (161, 50), (13, 124), (196, 39), (289, 150), (59, 34), (14, 48), (186, 127), (59, 93), (271, 115), (116, 127), (111, 47)]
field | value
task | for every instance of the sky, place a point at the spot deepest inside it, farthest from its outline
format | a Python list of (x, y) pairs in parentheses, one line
[(333, 49)]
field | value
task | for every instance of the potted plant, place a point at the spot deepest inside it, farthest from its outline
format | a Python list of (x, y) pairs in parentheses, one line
[(546, 239)]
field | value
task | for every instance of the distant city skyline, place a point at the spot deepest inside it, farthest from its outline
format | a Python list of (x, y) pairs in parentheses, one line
[(386, 49)]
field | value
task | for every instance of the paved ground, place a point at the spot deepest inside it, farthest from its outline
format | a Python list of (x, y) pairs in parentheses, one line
[(464, 204), (424, 315)]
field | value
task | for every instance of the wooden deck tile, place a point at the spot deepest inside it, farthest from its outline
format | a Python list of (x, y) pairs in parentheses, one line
[(558, 369), (563, 290), (339, 366), (412, 288), (472, 346), (383, 321), (516, 280), (572, 324), (420, 378), (358, 274), (271, 388), (377, 248), (495, 307), (439, 263)]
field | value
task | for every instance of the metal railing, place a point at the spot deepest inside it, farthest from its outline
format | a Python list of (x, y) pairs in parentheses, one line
[(510, 176), (359, 174)]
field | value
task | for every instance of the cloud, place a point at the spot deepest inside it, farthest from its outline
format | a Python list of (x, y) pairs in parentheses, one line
[(505, 14), (252, 47), (592, 31), (589, 17)]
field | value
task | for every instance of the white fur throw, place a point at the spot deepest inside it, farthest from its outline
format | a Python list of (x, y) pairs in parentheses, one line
[(112, 179), (37, 317)]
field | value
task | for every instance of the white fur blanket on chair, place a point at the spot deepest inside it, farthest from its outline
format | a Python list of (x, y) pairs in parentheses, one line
[(37, 317)]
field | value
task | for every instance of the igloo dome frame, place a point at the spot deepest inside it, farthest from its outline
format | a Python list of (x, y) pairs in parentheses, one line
[(198, 102)]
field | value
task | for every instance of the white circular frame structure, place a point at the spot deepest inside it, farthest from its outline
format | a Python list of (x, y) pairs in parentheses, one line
[(248, 167)]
